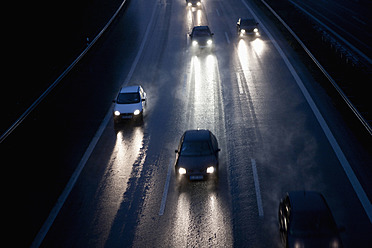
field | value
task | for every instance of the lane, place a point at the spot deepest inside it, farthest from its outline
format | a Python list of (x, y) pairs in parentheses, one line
[(269, 139)]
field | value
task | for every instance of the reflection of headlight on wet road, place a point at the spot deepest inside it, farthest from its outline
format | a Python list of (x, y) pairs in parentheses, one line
[(210, 169), (182, 171), (136, 112), (209, 42), (116, 113)]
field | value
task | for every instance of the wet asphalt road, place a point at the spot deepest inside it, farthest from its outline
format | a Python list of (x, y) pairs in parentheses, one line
[(127, 193)]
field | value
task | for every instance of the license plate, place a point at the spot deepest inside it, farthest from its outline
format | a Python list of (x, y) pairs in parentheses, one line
[(126, 117), (198, 177)]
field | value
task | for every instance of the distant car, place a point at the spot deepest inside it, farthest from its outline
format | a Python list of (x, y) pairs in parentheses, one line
[(193, 3), (129, 103), (201, 37), (247, 26), (305, 220), (197, 155)]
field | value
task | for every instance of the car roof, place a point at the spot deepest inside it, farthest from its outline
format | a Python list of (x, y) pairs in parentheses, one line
[(130, 89), (307, 201), (197, 135)]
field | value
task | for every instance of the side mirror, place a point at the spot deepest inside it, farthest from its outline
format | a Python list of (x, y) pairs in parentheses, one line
[(176, 151), (212, 33), (218, 149), (114, 101), (143, 99)]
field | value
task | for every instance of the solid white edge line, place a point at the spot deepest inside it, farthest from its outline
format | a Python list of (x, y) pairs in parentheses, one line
[(62, 198), (166, 187), (60, 77), (335, 146), (257, 187)]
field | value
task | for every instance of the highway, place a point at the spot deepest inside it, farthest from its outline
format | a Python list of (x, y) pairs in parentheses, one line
[(268, 113)]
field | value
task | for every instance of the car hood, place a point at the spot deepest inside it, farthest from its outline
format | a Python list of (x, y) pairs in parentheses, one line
[(128, 108), (197, 162)]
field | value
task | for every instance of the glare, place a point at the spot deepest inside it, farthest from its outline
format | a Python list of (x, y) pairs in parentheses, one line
[(243, 53), (258, 46), (209, 42), (136, 112), (117, 113), (194, 43), (242, 31), (255, 30), (198, 17)]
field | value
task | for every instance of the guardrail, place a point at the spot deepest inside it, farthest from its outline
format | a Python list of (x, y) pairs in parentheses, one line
[(325, 73), (58, 80)]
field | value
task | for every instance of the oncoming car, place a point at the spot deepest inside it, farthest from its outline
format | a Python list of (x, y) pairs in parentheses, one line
[(197, 155), (201, 38), (305, 220), (247, 26), (129, 104), (193, 3)]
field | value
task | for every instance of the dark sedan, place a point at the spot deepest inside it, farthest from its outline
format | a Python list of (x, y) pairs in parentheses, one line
[(197, 155), (305, 220), (247, 26), (201, 38)]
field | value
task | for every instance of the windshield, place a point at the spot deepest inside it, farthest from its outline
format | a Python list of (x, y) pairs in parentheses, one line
[(248, 22), (196, 148), (306, 224), (127, 98), (201, 32)]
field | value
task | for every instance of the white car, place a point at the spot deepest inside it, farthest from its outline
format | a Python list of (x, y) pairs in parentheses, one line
[(129, 104)]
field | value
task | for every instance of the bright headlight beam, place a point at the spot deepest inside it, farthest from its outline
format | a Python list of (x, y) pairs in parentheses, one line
[(194, 43), (209, 42), (136, 112), (117, 113)]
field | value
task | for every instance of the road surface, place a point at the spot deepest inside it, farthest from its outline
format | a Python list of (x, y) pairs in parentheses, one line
[(127, 195)]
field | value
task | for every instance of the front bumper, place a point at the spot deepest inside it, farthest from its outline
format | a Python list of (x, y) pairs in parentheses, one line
[(197, 174)]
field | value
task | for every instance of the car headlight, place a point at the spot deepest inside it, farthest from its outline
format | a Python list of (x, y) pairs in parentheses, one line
[(136, 112), (242, 31), (210, 170), (255, 30), (182, 171), (189, 4), (117, 113), (194, 43), (198, 3), (209, 42)]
